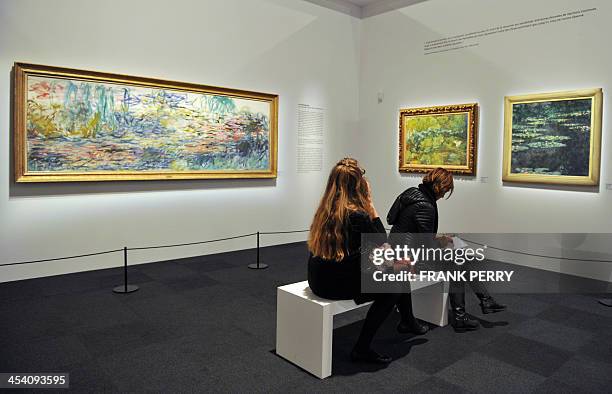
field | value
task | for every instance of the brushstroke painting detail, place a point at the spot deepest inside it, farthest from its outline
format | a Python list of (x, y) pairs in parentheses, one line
[(551, 137), (90, 126), (436, 139), (443, 136), (75, 125)]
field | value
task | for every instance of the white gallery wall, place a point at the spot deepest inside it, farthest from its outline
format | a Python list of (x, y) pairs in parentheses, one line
[(300, 51), (553, 57), (311, 55)]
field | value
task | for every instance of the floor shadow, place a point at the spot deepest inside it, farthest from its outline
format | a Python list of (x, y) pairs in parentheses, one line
[(489, 324), (387, 341)]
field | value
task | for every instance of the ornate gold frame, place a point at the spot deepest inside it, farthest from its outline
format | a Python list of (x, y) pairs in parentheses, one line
[(22, 71), (595, 139), (471, 109)]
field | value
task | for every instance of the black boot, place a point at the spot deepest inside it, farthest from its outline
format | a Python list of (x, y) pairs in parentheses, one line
[(412, 327), (409, 324), (369, 356), (489, 305), (459, 319), (462, 323)]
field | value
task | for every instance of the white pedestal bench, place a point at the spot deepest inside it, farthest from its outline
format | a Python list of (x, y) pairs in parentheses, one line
[(304, 322)]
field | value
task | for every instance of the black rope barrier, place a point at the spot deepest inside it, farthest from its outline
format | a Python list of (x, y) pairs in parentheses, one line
[(285, 232), (258, 264), (272, 233), (533, 254), (538, 255), (62, 258), (126, 288), (193, 243)]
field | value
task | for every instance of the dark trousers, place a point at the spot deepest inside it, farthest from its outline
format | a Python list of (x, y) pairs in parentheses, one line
[(457, 293), (381, 308)]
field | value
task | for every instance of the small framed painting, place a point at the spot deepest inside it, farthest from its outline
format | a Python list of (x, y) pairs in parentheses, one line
[(442, 136), (75, 125), (553, 138)]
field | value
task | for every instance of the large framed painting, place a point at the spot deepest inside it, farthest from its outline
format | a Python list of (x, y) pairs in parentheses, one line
[(553, 138), (73, 125), (442, 136)]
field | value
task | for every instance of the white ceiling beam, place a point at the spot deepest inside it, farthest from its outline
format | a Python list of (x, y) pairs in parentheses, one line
[(382, 6), (343, 6), (374, 8)]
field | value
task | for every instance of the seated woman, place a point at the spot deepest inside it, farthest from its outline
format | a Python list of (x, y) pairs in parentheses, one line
[(344, 213), (414, 216)]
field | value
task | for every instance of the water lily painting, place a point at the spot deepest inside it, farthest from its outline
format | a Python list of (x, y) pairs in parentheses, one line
[(73, 125), (553, 138), (442, 136)]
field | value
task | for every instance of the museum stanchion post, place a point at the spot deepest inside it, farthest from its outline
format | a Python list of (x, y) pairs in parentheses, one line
[(258, 265), (608, 300), (125, 288)]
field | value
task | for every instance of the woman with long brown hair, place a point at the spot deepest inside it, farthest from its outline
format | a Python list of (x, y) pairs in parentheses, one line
[(345, 213)]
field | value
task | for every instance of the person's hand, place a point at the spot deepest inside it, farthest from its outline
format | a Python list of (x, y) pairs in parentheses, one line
[(400, 265), (444, 240)]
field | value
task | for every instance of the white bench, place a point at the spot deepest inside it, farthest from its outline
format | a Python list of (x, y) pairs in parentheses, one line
[(304, 322)]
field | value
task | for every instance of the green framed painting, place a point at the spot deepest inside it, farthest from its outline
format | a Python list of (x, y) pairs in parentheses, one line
[(553, 138), (75, 125), (441, 136)]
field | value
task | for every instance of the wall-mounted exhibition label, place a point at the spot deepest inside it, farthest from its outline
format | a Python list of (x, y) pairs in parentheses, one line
[(311, 129), (472, 39)]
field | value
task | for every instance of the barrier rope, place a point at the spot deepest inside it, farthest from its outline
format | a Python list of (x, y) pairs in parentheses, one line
[(285, 232), (538, 255), (278, 232), (192, 243), (63, 258)]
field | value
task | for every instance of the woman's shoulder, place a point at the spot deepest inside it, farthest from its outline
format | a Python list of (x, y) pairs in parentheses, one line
[(413, 195), (410, 200), (358, 215)]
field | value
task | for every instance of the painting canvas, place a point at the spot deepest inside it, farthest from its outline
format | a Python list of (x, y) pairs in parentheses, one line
[(442, 136), (553, 138), (76, 125)]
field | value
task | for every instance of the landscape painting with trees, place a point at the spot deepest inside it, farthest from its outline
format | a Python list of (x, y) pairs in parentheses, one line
[(105, 127), (554, 138), (443, 136)]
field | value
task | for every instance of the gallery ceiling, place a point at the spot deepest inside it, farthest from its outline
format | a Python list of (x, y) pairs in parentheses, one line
[(361, 3), (364, 8)]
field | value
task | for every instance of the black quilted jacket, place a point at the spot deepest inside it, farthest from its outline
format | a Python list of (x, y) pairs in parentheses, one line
[(414, 212)]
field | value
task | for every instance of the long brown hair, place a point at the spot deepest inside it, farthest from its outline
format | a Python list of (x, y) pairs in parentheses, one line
[(347, 190), (441, 181)]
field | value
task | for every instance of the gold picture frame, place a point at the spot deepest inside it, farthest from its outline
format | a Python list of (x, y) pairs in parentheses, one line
[(440, 136), (544, 139), (75, 125)]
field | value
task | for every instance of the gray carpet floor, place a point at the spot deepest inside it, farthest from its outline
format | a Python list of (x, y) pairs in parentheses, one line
[(207, 324)]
